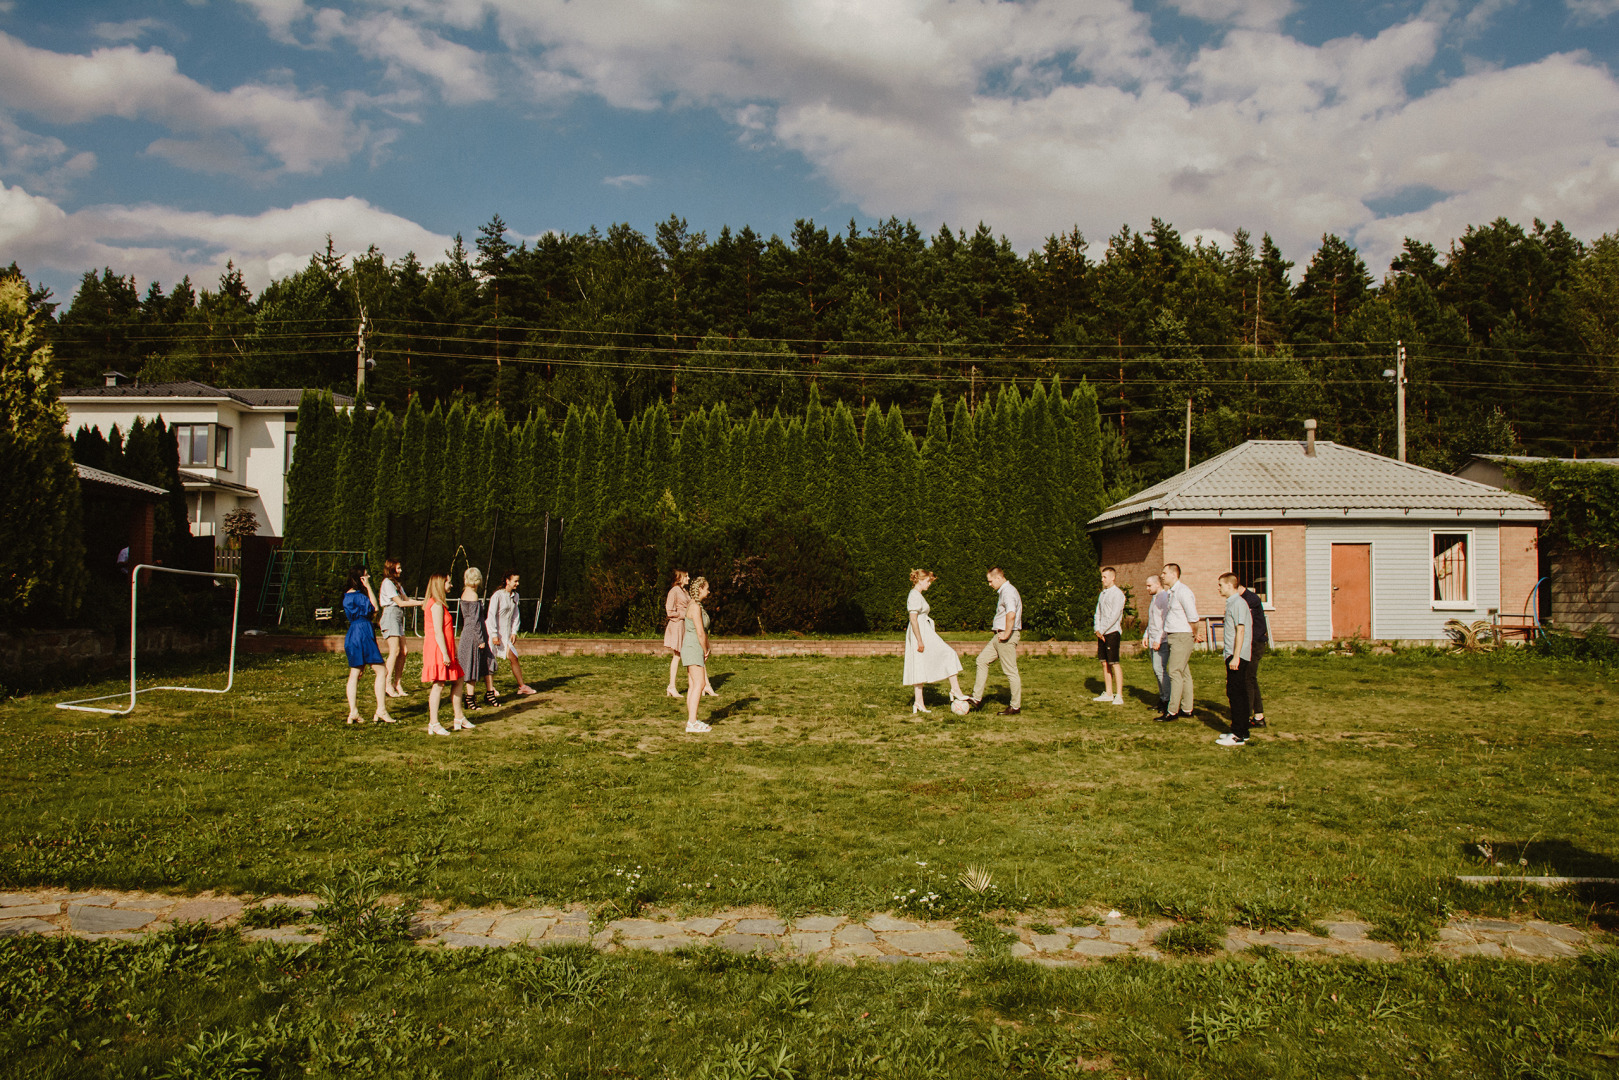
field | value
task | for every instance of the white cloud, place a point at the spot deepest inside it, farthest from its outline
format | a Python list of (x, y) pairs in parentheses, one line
[(42, 162), (406, 47), (1592, 10), (128, 30), (163, 243), (1251, 13), (303, 133), (628, 180), (1032, 115)]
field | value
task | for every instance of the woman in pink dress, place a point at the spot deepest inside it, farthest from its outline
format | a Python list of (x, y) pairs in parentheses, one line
[(439, 664), (674, 612)]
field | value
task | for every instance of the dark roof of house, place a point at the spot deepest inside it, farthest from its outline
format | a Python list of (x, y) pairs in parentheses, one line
[(268, 398), (1277, 479), (101, 477), (198, 480)]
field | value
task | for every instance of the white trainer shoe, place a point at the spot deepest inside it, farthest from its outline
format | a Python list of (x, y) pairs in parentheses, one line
[(1229, 739), (1118, 699), (1103, 697)]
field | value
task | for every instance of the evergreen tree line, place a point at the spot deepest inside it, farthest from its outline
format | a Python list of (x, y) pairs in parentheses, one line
[(1511, 333), (803, 521), (149, 453)]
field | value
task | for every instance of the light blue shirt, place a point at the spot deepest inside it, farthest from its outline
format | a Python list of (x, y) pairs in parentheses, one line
[(1008, 599), (1237, 614)]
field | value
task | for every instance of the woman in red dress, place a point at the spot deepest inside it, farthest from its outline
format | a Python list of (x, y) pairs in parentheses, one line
[(439, 665)]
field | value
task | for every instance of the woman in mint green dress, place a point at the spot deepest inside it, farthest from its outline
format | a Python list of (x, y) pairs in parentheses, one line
[(694, 652)]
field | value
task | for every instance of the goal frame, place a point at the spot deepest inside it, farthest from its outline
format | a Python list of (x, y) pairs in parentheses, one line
[(82, 704)]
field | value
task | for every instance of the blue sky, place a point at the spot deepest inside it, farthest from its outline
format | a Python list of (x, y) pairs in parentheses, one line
[(164, 138)]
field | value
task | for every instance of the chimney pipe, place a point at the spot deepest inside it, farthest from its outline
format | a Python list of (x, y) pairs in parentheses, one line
[(1309, 438)]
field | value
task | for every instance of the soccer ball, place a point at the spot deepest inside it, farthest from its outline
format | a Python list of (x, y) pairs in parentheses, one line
[(960, 706)]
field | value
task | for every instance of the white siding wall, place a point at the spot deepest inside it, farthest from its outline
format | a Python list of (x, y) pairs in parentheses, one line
[(263, 438), (1402, 576)]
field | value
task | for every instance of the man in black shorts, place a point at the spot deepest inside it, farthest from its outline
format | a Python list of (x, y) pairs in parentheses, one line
[(1109, 625), (1261, 642)]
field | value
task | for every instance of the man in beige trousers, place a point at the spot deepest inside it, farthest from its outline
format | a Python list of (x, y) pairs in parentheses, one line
[(1181, 629), (1002, 646)]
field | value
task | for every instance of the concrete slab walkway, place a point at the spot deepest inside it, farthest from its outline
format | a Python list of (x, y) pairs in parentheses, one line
[(877, 938)]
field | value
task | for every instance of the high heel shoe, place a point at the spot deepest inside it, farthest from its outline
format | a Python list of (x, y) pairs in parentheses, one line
[(353, 719), (383, 718), (462, 724), (672, 692), (435, 728), (709, 691), (919, 709)]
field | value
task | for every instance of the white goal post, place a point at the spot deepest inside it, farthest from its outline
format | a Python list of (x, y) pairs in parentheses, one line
[(82, 704)]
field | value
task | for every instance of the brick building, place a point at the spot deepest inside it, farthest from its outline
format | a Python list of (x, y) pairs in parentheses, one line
[(1338, 542)]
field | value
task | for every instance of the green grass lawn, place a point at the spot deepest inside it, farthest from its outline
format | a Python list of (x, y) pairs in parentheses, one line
[(818, 792)]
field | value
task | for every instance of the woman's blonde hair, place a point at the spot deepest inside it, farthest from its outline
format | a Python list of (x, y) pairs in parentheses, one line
[(473, 578), (918, 576), (438, 587), (697, 585)]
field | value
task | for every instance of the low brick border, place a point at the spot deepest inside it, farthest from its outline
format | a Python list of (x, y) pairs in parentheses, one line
[(769, 647)]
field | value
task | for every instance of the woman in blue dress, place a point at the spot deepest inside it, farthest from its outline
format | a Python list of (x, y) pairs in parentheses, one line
[(361, 643)]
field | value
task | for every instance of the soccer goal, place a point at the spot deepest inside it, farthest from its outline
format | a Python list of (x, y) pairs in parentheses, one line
[(83, 704)]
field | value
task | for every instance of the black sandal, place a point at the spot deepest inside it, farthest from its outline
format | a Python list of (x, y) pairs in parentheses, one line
[(491, 698)]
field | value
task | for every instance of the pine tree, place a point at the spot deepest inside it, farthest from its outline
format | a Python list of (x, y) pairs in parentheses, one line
[(307, 489), (437, 503), (385, 452), (660, 453), (409, 495), (453, 497), (41, 517)]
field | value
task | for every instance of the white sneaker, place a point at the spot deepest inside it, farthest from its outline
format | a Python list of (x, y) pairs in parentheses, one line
[(696, 727), (1118, 699), (1103, 697), (1230, 740)]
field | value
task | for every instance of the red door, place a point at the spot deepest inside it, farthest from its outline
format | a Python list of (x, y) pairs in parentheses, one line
[(1351, 590)]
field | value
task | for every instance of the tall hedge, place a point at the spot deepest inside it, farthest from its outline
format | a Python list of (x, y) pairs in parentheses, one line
[(1012, 484), (41, 539)]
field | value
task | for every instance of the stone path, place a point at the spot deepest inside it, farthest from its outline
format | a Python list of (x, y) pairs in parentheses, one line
[(879, 938)]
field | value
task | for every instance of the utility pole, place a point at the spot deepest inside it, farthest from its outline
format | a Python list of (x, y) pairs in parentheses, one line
[(1188, 433), (359, 354), (1399, 392), (1397, 373)]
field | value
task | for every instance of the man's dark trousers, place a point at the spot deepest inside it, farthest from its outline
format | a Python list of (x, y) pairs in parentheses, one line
[(1236, 692), (1256, 704)]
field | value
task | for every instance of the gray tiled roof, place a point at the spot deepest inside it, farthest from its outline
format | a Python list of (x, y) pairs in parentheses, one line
[(101, 476), (267, 398), (198, 480), (1275, 479)]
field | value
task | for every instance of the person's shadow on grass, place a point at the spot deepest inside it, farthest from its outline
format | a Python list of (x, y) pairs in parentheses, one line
[(719, 680), (731, 710)]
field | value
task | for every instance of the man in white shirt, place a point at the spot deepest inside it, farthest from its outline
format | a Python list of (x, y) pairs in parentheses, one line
[(1109, 625), (1002, 646), (1156, 643), (1182, 629)]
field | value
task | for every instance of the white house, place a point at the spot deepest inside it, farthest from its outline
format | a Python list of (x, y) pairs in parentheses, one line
[(235, 445)]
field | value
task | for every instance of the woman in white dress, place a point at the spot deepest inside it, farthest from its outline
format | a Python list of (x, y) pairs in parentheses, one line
[(928, 659)]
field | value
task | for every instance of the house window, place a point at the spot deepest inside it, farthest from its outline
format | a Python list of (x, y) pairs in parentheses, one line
[(1452, 570), (1250, 561), (221, 447), (193, 440)]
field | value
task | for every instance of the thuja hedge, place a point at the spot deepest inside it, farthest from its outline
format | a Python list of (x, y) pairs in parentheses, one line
[(1012, 482)]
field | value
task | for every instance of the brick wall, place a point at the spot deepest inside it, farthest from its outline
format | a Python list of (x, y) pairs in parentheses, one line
[(1133, 554), (1520, 567), (1203, 550)]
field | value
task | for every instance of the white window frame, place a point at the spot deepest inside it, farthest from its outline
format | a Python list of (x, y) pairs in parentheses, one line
[(1269, 604), (1471, 603)]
